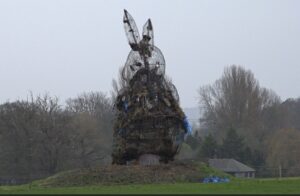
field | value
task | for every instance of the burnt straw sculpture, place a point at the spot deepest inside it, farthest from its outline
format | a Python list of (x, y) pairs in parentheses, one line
[(150, 125)]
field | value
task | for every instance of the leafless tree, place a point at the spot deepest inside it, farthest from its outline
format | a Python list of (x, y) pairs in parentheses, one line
[(235, 100), (17, 121), (53, 137), (92, 127), (284, 151), (39, 137)]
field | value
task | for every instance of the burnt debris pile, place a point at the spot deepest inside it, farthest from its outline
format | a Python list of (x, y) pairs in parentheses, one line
[(149, 119)]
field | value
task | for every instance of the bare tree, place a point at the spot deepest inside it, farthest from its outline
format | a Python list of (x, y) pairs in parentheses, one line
[(34, 136), (53, 138), (284, 151), (17, 122), (92, 127), (235, 100)]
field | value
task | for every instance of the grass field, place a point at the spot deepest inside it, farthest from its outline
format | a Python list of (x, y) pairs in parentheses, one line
[(253, 186)]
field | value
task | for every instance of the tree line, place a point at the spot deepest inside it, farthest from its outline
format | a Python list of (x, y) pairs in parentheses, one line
[(40, 137), (247, 122)]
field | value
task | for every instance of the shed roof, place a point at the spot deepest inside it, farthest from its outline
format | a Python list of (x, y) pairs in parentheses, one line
[(229, 165)]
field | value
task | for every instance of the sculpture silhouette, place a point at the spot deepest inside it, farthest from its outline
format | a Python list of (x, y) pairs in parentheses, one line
[(149, 120)]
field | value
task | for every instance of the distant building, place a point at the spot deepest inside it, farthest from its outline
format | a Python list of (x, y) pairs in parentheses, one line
[(232, 167)]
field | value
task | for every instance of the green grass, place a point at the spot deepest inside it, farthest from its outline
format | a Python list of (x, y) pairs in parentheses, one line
[(236, 186)]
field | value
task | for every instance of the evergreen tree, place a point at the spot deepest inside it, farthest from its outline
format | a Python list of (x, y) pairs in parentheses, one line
[(209, 147), (193, 142), (233, 146)]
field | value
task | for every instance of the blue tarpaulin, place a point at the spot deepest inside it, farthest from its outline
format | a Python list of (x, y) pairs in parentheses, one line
[(187, 126), (215, 179)]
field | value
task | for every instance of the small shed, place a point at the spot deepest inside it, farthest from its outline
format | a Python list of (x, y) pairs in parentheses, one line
[(233, 167)]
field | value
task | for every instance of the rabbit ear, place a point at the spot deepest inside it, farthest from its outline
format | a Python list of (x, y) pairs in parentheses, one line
[(131, 30), (148, 32)]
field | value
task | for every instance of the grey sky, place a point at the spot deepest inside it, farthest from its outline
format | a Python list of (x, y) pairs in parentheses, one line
[(66, 47)]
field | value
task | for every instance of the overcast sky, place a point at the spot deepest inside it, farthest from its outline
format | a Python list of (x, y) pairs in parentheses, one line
[(66, 47)]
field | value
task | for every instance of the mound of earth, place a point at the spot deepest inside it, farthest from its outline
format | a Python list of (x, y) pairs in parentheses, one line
[(131, 174)]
